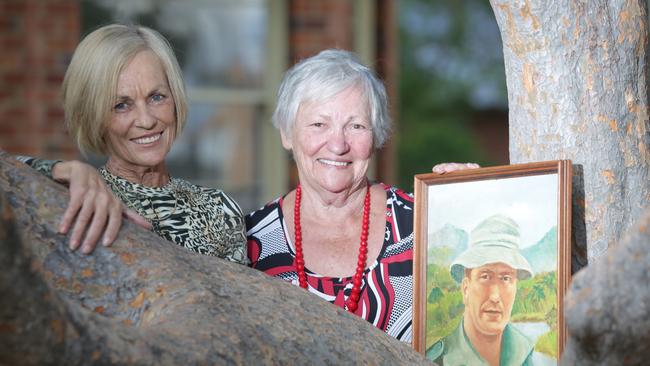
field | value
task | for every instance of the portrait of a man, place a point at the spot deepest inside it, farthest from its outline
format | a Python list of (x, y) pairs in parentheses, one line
[(487, 272)]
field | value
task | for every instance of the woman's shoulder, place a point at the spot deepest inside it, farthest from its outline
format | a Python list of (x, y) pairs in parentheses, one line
[(397, 194), (270, 209), (216, 195)]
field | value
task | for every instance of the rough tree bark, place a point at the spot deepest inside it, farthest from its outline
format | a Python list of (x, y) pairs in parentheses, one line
[(146, 301), (577, 89), (607, 308)]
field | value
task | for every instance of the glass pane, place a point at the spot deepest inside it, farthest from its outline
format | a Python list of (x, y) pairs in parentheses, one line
[(219, 43), (218, 148)]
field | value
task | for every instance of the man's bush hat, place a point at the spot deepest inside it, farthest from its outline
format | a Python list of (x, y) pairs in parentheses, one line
[(495, 240)]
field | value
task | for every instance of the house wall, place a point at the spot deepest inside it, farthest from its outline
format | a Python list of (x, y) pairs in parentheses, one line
[(38, 37)]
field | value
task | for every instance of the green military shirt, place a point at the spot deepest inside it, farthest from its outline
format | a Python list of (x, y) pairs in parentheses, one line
[(456, 349)]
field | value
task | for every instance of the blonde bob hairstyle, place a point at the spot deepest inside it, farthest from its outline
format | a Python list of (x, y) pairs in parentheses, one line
[(90, 83)]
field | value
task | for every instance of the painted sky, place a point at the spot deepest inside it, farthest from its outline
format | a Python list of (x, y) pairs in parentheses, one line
[(530, 201)]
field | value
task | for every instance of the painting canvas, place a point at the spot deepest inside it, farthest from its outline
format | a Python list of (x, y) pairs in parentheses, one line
[(492, 257)]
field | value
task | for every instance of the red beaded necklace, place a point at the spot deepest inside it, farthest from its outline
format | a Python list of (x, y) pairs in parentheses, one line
[(353, 300)]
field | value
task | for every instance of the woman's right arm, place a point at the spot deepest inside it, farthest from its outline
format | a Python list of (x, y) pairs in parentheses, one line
[(43, 166), (93, 210)]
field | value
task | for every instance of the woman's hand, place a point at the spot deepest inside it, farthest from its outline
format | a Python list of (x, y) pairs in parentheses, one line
[(443, 168), (93, 208)]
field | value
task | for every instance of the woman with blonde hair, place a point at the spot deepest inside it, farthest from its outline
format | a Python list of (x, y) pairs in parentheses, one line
[(124, 97)]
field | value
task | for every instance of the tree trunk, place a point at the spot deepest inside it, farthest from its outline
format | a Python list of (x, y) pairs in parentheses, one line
[(147, 301), (607, 308), (577, 89)]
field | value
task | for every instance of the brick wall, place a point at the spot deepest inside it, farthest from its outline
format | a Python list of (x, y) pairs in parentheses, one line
[(316, 25), (37, 38)]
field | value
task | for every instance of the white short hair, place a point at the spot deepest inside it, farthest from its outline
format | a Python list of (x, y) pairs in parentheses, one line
[(324, 75)]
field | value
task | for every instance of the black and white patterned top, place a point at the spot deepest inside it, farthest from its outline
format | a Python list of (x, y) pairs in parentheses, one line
[(386, 298), (204, 220)]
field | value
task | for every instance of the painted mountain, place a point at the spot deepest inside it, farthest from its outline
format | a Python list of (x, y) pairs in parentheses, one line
[(446, 244), (543, 255)]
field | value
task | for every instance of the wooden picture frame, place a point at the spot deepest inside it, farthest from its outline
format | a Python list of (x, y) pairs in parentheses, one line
[(460, 221)]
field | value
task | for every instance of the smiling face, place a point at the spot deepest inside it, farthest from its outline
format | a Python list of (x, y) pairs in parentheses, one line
[(142, 125), (332, 142), (488, 294)]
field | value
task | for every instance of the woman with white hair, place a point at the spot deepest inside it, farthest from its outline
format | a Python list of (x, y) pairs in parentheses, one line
[(338, 235), (124, 97)]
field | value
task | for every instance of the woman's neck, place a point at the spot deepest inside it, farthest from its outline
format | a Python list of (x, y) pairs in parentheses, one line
[(156, 176), (324, 204)]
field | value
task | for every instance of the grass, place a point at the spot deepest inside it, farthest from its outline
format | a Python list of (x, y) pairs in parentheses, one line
[(528, 317), (547, 344)]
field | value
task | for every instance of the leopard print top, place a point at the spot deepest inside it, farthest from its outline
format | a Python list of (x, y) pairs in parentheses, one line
[(200, 219)]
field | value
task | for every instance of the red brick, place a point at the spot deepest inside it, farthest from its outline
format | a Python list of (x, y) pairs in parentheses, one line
[(55, 79), (13, 7), (57, 45), (53, 132), (307, 23), (9, 25), (8, 130), (11, 61), (54, 113), (17, 114), (72, 27), (22, 149), (13, 43), (306, 7), (48, 25), (15, 77), (61, 7)]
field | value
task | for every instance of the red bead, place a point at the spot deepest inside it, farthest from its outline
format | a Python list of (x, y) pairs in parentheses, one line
[(352, 304), (362, 257)]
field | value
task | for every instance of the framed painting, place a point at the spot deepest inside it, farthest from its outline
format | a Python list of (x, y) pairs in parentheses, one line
[(491, 264)]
